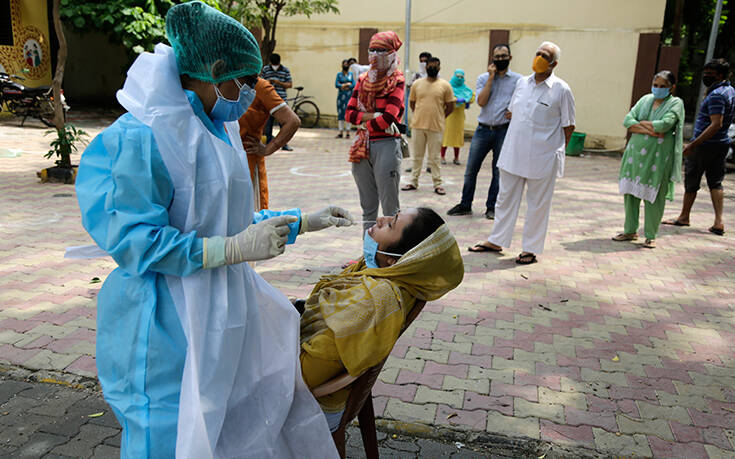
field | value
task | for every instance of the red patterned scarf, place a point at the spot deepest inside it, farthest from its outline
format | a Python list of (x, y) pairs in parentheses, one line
[(379, 81)]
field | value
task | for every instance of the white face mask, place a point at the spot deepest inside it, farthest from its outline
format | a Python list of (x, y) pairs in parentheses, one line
[(381, 61), (422, 67)]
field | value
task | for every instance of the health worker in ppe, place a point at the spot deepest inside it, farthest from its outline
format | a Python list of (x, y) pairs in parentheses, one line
[(197, 355)]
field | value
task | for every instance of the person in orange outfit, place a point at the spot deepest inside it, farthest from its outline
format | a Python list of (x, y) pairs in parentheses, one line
[(267, 102)]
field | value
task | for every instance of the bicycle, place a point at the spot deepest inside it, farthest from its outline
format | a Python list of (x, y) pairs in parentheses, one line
[(306, 110)]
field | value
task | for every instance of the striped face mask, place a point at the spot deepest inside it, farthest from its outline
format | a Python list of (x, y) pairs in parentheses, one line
[(381, 60)]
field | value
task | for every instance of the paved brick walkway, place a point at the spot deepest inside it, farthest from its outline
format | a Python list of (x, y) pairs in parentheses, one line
[(57, 422), (601, 344)]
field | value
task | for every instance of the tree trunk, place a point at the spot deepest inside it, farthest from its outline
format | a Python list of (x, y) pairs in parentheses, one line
[(58, 79), (266, 49), (678, 19)]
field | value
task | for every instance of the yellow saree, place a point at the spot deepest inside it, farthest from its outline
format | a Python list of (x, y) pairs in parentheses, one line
[(353, 319)]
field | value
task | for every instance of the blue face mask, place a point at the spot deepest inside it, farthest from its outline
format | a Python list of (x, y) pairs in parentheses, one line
[(231, 110), (370, 248), (660, 93)]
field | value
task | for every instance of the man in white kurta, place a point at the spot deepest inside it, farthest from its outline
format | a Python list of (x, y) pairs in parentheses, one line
[(542, 123)]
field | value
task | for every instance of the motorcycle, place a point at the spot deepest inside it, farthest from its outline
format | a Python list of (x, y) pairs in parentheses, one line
[(24, 101)]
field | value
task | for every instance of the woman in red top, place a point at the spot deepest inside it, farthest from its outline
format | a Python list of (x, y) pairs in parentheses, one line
[(376, 107)]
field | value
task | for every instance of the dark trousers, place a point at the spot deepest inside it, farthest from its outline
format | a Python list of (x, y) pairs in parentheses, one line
[(484, 140), (707, 160)]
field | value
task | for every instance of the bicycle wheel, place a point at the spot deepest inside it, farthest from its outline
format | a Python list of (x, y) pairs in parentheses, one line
[(308, 113)]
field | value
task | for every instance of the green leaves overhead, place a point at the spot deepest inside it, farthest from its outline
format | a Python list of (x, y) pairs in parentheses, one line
[(136, 24), (140, 24)]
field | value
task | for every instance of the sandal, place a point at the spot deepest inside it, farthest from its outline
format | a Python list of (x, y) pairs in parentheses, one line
[(409, 187), (484, 248), (675, 222), (650, 244), (625, 237), (717, 231), (526, 259), (440, 191)]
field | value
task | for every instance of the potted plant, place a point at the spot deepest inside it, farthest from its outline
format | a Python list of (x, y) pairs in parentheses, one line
[(67, 135), (63, 146)]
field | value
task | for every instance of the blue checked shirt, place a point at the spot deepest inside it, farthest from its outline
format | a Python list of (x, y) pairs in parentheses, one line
[(493, 113)]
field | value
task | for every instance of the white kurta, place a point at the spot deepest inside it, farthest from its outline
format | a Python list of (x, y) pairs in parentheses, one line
[(532, 158), (535, 139)]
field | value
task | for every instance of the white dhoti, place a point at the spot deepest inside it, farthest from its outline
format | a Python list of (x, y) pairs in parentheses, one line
[(538, 200)]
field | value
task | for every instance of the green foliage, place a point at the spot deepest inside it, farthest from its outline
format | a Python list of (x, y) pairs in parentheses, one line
[(695, 30), (140, 24), (136, 24), (264, 15), (259, 13), (65, 144)]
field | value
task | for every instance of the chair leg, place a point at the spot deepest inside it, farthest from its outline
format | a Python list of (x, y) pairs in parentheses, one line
[(339, 441), (366, 417)]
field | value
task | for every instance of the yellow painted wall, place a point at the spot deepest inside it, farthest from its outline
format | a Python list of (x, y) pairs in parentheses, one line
[(599, 41), (30, 24)]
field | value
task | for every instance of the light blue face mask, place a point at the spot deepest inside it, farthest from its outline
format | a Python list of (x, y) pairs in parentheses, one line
[(231, 110), (660, 93), (370, 248)]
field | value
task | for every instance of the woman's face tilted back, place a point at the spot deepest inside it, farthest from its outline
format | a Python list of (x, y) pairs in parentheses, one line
[(387, 231)]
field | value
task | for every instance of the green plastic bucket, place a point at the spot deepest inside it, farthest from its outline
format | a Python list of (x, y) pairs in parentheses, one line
[(576, 144)]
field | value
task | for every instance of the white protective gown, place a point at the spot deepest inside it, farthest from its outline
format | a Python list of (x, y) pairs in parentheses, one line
[(242, 394)]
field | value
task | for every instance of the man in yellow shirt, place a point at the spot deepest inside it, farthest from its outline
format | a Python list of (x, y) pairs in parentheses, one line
[(431, 101)]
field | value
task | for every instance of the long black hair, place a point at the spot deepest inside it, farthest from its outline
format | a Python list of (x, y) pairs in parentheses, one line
[(423, 225)]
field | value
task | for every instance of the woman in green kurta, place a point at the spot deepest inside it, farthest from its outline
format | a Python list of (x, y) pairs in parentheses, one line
[(652, 160)]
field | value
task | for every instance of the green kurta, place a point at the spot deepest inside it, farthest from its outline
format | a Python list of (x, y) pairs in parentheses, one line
[(652, 162)]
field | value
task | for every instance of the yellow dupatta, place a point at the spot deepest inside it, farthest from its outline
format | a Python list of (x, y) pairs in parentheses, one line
[(365, 308)]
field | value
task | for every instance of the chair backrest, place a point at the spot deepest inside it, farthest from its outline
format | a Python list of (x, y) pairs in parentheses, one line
[(361, 388)]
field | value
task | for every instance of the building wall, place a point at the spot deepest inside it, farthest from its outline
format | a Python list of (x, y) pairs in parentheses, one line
[(31, 46), (599, 41), (95, 69)]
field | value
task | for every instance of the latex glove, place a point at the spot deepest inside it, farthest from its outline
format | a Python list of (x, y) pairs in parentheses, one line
[(261, 241), (329, 216), (392, 130)]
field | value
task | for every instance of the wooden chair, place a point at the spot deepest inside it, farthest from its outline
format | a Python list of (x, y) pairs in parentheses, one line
[(360, 400)]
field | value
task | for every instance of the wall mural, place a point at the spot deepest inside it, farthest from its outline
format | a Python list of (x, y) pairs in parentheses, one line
[(30, 50), (33, 51)]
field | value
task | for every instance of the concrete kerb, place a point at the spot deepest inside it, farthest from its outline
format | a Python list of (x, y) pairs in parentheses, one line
[(516, 446), (72, 381), (520, 447)]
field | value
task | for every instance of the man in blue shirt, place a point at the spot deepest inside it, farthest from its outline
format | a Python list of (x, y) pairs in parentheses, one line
[(280, 77), (494, 91), (706, 153)]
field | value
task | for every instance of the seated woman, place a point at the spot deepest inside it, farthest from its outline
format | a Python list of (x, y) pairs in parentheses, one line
[(352, 320)]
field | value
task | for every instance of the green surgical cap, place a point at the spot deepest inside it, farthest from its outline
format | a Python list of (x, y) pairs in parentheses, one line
[(209, 45)]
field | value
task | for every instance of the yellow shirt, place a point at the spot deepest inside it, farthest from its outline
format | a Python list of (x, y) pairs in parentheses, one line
[(430, 97)]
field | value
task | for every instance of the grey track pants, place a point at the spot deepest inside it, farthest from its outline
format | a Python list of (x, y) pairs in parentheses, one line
[(378, 179)]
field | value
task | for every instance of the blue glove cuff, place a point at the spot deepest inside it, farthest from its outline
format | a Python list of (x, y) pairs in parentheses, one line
[(266, 214), (214, 252)]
